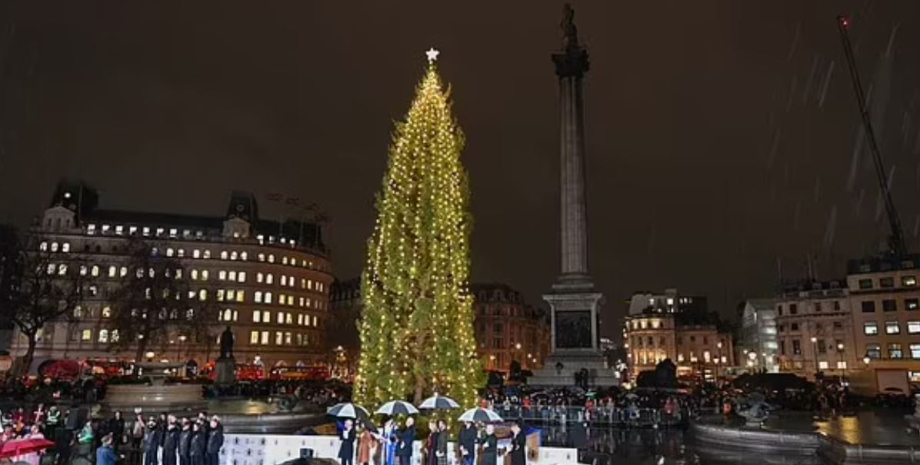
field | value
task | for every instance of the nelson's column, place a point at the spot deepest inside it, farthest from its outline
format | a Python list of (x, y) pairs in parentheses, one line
[(574, 301)]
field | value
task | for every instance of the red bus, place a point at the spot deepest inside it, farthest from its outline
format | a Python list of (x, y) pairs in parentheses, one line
[(317, 372)]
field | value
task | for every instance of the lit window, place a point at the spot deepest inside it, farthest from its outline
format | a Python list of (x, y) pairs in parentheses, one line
[(283, 280), (119, 230), (268, 297), (203, 295), (258, 297), (231, 275), (222, 275), (170, 252), (870, 328), (303, 283), (287, 337), (279, 338), (822, 365), (290, 319), (256, 316), (104, 335), (873, 351), (240, 296), (315, 322), (132, 230), (284, 260), (95, 270), (196, 253), (841, 365), (894, 351), (160, 231), (259, 277), (114, 336), (310, 287), (244, 256), (146, 231), (269, 279), (271, 258), (123, 272), (78, 312), (300, 320), (220, 295), (186, 233), (206, 254), (105, 229), (892, 327), (280, 318), (261, 257), (181, 253), (302, 302), (90, 229), (65, 247), (86, 335), (913, 327), (173, 232), (915, 351), (223, 255), (253, 338), (241, 277), (204, 275), (911, 304), (106, 312), (231, 294), (290, 300), (113, 271), (194, 275), (264, 337)]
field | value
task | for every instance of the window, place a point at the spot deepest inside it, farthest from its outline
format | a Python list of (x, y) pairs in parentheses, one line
[(782, 347), (269, 278), (870, 328), (796, 347), (794, 327), (222, 275), (838, 325), (86, 335), (106, 312), (836, 305), (253, 338), (287, 338), (95, 270), (822, 365), (889, 305), (279, 338), (264, 337), (280, 318), (894, 350), (196, 253), (780, 328), (173, 232), (911, 304), (915, 351), (315, 322), (841, 365), (104, 335), (256, 316), (886, 282), (240, 295), (913, 327), (204, 275), (90, 229), (873, 351), (258, 297), (793, 309), (817, 306), (865, 283), (170, 252), (892, 327), (241, 277), (244, 256), (65, 247), (234, 255), (224, 255), (822, 346), (206, 254), (908, 281), (194, 274), (259, 277), (268, 297), (283, 280), (868, 306)]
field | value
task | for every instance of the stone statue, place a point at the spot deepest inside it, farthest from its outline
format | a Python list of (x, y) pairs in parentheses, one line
[(569, 31), (226, 343), (756, 411)]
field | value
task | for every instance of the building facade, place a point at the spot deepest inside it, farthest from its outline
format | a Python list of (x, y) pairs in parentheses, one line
[(698, 350), (815, 330), (270, 280), (670, 301), (342, 336), (507, 329), (758, 335), (885, 301)]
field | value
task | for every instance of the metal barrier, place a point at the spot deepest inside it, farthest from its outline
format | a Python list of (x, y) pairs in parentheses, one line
[(621, 417)]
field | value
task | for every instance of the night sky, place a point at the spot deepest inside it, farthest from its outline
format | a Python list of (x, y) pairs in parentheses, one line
[(720, 136)]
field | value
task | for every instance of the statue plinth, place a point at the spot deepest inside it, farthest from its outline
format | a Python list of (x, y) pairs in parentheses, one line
[(225, 371)]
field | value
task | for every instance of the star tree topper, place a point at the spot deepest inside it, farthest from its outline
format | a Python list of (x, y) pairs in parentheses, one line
[(432, 55)]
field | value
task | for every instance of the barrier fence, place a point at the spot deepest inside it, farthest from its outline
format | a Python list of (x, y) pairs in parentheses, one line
[(622, 417)]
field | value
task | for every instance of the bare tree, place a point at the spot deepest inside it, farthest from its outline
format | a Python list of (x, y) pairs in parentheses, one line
[(37, 286), (156, 304)]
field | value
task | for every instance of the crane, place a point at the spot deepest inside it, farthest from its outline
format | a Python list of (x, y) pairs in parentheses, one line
[(896, 237)]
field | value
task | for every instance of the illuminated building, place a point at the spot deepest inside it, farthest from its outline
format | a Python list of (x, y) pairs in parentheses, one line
[(269, 279), (508, 329)]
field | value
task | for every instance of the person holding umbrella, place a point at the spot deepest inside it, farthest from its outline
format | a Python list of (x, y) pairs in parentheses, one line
[(347, 449), (490, 446), (441, 445), (467, 442), (388, 456)]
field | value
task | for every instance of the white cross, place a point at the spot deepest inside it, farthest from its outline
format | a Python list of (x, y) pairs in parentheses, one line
[(432, 55)]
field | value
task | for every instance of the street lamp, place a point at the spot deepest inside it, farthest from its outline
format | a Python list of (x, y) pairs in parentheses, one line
[(814, 350), (179, 348), (843, 378)]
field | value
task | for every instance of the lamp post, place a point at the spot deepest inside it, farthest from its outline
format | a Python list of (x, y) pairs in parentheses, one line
[(718, 361), (182, 339), (814, 350), (843, 378)]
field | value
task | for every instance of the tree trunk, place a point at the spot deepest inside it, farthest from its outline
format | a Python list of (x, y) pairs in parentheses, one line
[(26, 360)]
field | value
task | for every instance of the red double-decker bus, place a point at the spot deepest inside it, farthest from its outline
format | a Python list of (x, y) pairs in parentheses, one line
[(317, 372)]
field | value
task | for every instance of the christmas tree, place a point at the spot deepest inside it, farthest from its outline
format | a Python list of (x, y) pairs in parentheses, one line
[(417, 323)]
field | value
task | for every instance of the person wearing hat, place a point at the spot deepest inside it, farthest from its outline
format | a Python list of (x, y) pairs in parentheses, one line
[(105, 455)]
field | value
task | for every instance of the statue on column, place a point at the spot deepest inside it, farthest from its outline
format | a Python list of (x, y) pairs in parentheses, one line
[(569, 31), (226, 343)]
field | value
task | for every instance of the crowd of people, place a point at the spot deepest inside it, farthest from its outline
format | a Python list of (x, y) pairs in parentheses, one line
[(393, 445)]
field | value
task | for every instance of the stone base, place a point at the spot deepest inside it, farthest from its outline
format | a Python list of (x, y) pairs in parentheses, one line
[(572, 362), (154, 398), (224, 371)]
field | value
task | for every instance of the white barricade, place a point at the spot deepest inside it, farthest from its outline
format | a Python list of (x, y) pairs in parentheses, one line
[(273, 449)]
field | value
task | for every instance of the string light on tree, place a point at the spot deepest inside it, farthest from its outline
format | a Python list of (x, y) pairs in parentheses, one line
[(417, 323)]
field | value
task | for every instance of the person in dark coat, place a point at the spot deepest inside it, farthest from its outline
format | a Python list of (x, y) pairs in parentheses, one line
[(151, 444), (185, 442), (171, 442), (199, 441), (518, 446), (467, 442), (441, 443), (430, 448), (406, 439), (490, 447), (116, 428), (347, 449), (215, 442)]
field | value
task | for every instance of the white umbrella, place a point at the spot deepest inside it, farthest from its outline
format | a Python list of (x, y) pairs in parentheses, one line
[(439, 402), (347, 410), (397, 407), (484, 415)]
